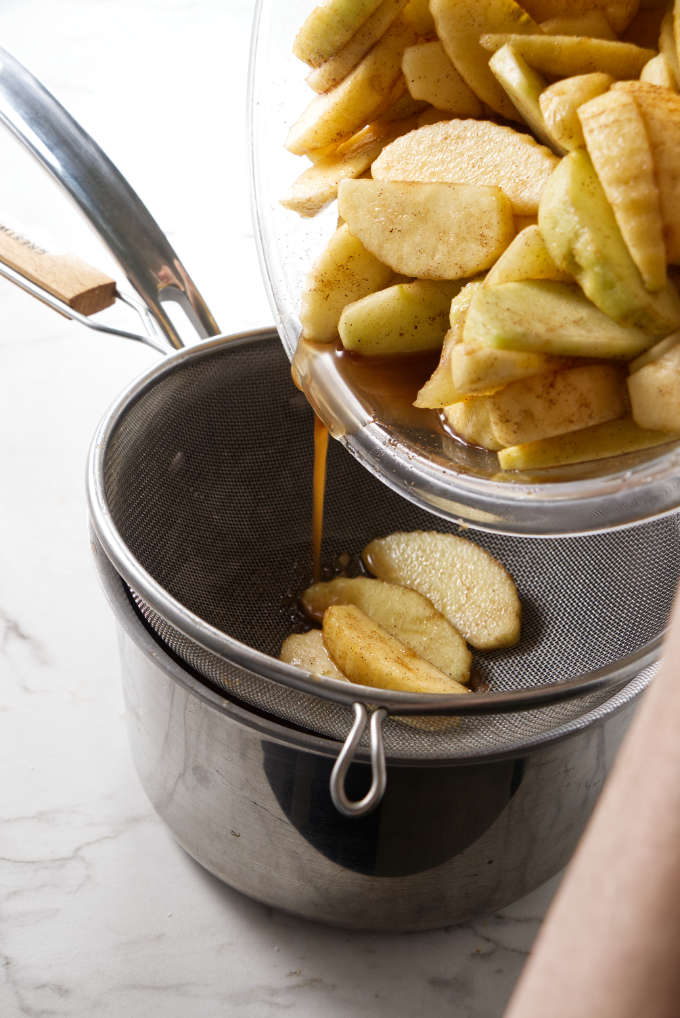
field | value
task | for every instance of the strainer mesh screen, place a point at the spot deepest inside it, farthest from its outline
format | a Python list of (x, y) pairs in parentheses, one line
[(208, 480)]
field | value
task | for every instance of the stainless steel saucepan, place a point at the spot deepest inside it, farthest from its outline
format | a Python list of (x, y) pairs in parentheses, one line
[(200, 510)]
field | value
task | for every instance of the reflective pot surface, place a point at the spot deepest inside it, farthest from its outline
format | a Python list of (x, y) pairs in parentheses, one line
[(249, 799)]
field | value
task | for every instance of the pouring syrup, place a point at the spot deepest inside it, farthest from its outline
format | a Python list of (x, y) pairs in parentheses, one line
[(318, 492), (388, 384)]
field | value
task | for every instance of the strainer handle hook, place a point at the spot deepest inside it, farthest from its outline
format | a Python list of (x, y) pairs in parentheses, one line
[(368, 803)]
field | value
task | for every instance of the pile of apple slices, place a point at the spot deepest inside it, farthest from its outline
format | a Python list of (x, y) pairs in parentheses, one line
[(408, 627), (534, 254)]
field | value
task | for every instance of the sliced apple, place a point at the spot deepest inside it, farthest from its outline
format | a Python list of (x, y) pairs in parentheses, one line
[(674, 13), (564, 55), (428, 231), (460, 304), (317, 186), (358, 99), (620, 152), (470, 419), (471, 152), (583, 237), (591, 24), (559, 105), (405, 318), (479, 370), (418, 14), (657, 72), (526, 258), (345, 272), (523, 86), (329, 26), (660, 109), (337, 67), (544, 405), (655, 393), (403, 613), (667, 46), (613, 438), (369, 656), (459, 26), (307, 651), (557, 403), (463, 581), (653, 354), (431, 76), (483, 369), (403, 106), (619, 13), (439, 391), (549, 318)]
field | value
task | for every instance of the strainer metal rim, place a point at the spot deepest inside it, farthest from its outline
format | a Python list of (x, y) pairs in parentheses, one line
[(263, 665)]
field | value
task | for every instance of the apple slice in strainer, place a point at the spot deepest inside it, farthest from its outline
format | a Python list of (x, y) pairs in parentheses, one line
[(368, 655), (463, 581), (403, 613)]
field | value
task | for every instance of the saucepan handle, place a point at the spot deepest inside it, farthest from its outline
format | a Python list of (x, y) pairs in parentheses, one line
[(72, 287), (68, 279), (122, 221)]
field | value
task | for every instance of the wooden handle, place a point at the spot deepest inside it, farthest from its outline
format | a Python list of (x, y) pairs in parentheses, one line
[(66, 277)]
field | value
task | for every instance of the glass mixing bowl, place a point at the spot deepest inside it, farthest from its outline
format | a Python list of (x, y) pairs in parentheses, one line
[(409, 450)]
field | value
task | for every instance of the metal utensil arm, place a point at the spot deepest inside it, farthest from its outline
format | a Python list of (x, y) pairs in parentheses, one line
[(122, 221)]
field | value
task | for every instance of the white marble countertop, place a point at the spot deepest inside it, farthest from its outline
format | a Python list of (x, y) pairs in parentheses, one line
[(101, 913)]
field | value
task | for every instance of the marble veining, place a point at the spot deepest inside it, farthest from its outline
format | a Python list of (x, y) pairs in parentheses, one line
[(101, 913), (17, 642)]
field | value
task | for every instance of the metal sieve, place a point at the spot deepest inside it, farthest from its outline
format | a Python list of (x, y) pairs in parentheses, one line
[(200, 494)]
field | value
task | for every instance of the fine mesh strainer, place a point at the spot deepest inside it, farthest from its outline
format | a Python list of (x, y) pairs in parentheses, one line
[(204, 474), (200, 494), (200, 490)]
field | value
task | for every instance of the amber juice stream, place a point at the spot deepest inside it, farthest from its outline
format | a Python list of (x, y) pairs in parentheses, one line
[(318, 492), (388, 384)]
